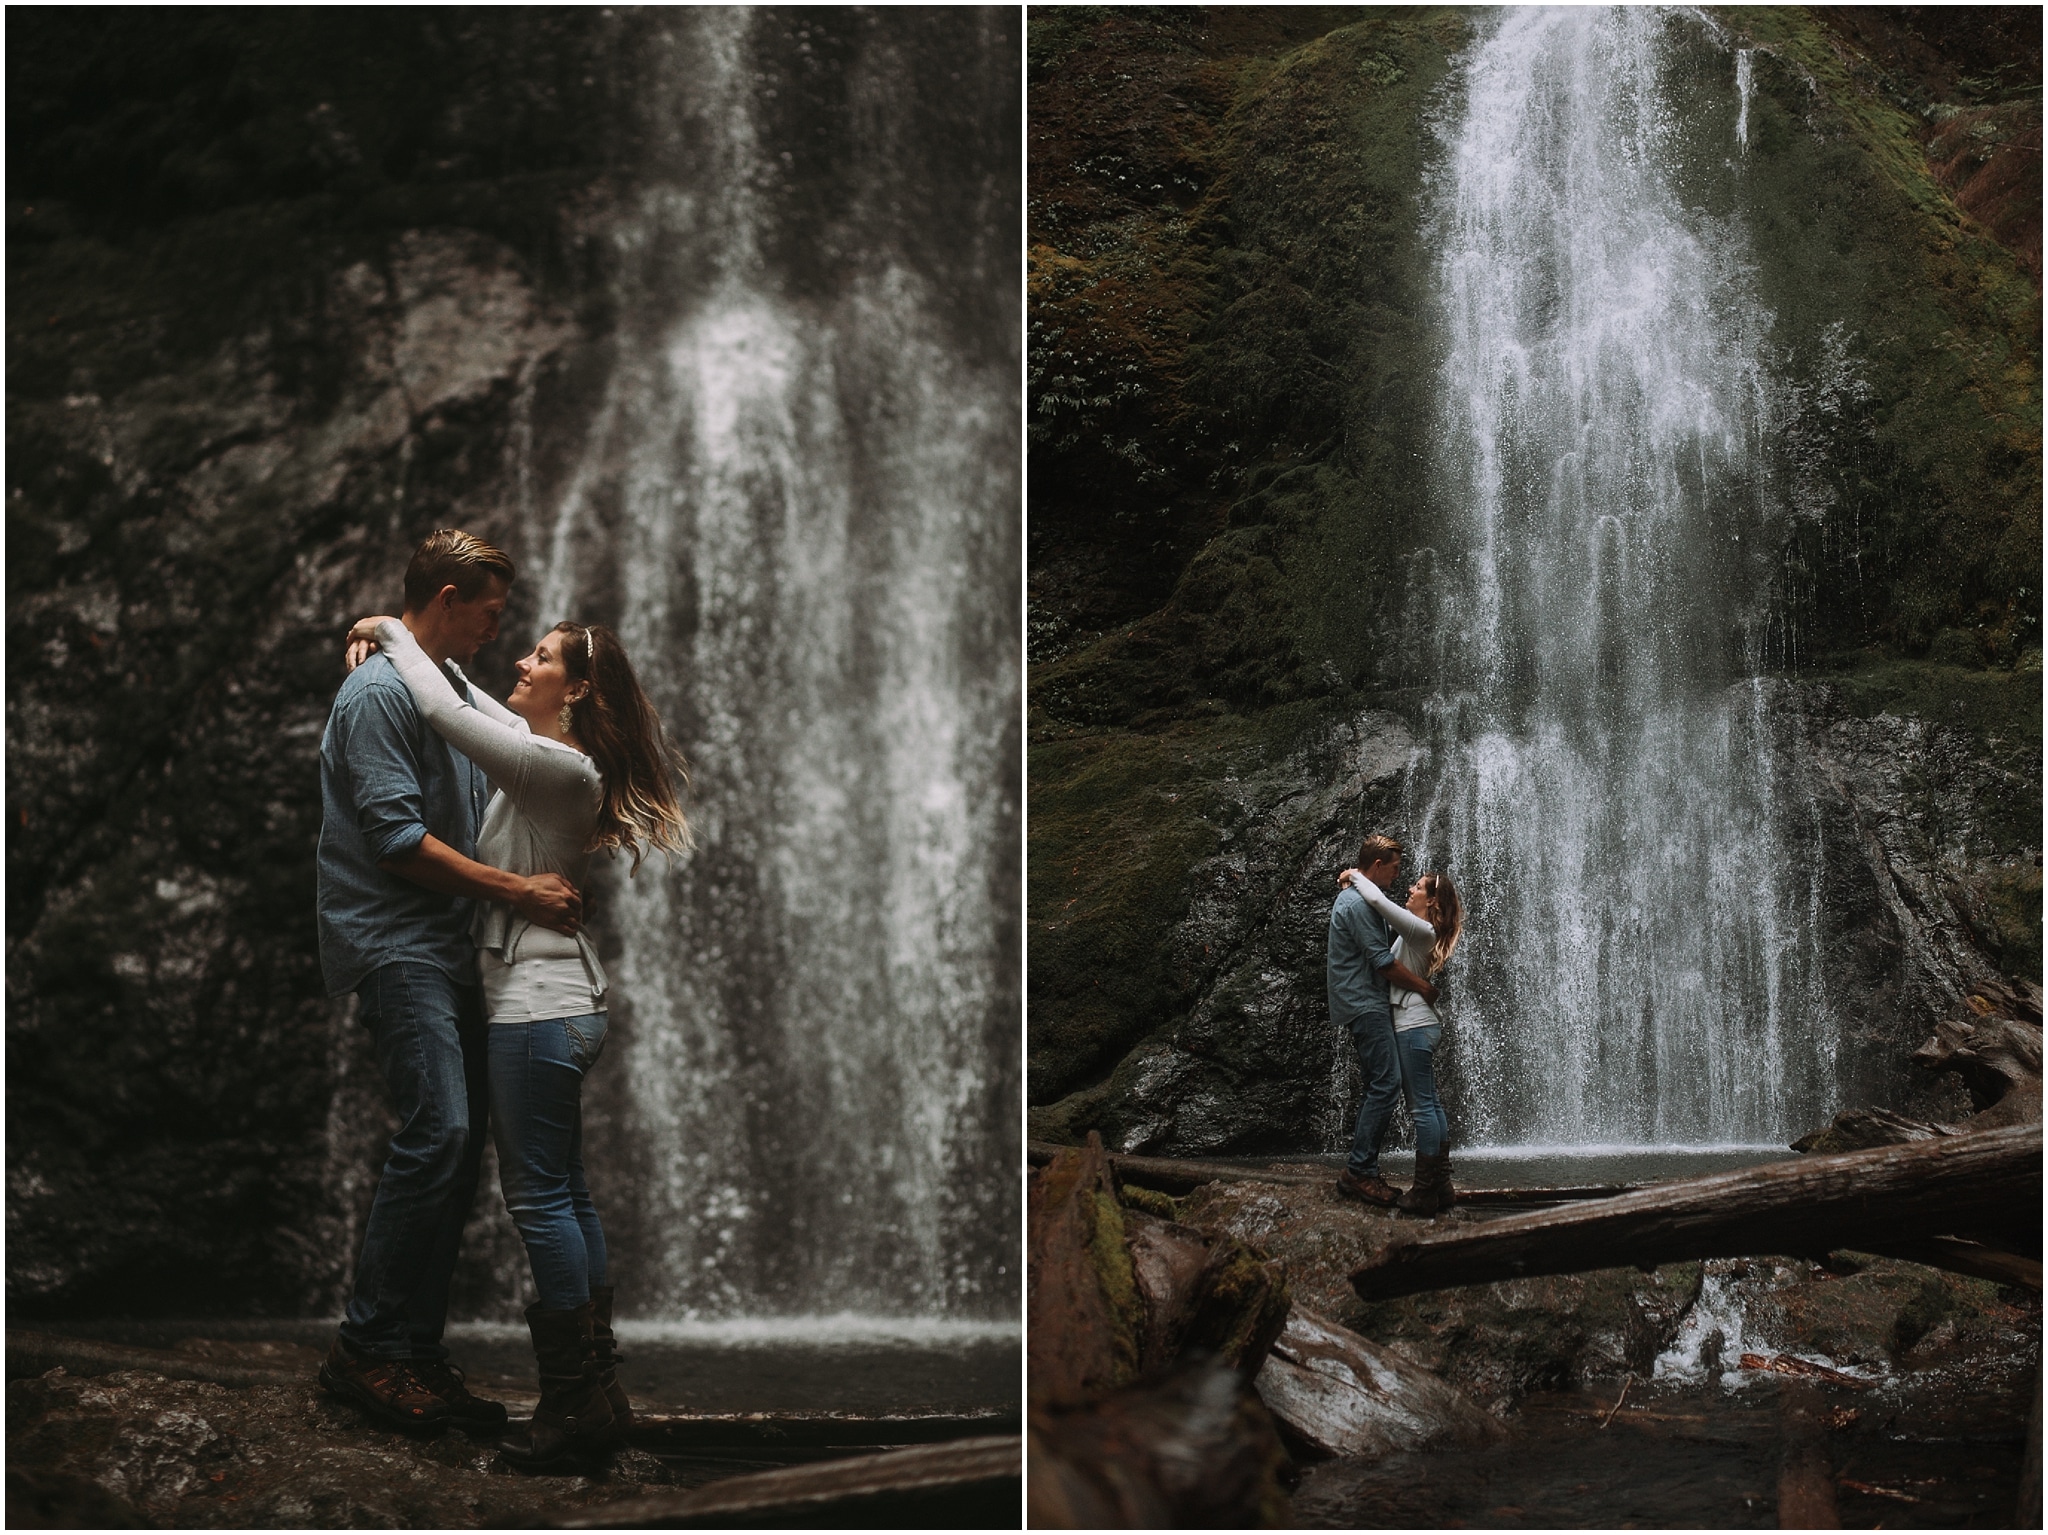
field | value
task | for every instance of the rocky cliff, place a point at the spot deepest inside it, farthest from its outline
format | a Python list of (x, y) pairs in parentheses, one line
[(1230, 366)]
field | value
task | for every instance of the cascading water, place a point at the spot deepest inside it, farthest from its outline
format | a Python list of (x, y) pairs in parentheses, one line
[(798, 502), (1598, 772)]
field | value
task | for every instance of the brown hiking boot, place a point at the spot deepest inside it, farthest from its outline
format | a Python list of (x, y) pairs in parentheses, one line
[(386, 1389), (466, 1409), (1422, 1198), (1372, 1191), (572, 1414), (604, 1348)]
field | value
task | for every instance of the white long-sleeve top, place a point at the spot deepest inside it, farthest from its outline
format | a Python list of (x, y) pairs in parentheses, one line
[(538, 821), (1413, 935)]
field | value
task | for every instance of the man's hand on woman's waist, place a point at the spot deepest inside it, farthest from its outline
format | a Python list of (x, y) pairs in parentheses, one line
[(546, 900)]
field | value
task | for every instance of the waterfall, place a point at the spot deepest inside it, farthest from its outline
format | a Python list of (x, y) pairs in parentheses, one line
[(1599, 773), (797, 500)]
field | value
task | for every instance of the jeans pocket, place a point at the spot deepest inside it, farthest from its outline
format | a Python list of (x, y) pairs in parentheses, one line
[(586, 1040)]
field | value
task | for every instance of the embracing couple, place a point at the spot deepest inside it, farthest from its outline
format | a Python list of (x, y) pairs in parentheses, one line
[(1381, 958), (454, 839)]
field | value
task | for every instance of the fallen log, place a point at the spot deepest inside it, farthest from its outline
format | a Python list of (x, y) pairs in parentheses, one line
[(1983, 1187), (829, 1431), (1183, 1175), (1204, 1293), (1999, 1060), (969, 1484), (1804, 1369), (1082, 1305), (1340, 1394), (1196, 1450), (1972, 1258)]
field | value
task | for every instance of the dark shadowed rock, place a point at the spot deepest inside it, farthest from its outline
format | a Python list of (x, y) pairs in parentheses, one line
[(193, 1454)]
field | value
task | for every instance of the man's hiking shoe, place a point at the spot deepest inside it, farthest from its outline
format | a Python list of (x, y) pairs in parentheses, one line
[(386, 1389), (1371, 1191), (466, 1410)]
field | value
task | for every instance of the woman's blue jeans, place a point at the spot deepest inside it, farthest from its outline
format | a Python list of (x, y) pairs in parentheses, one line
[(537, 1072), (1417, 1049)]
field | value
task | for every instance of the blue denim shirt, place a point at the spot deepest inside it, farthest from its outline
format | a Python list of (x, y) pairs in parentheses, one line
[(1361, 945), (386, 782)]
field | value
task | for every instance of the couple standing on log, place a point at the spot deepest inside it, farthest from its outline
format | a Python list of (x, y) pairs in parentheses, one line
[(458, 925), (1380, 957)]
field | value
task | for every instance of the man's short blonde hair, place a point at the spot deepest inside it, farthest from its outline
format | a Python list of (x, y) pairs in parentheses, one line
[(451, 557)]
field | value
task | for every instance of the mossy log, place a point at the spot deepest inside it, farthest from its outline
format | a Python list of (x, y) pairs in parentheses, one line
[(1082, 1308), (1984, 1187), (1144, 1338), (1193, 1450), (1204, 1294)]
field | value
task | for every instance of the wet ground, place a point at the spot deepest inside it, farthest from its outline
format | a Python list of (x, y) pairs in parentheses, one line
[(1938, 1450), (758, 1367), (99, 1443)]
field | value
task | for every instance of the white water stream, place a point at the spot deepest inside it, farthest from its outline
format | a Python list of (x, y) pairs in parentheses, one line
[(1599, 773), (800, 510)]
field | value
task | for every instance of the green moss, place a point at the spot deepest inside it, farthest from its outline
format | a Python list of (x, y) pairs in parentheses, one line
[(1112, 1263), (1924, 492), (1119, 822), (1246, 1302), (1998, 708), (1151, 1201)]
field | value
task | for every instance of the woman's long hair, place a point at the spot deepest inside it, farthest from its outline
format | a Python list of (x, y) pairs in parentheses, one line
[(623, 735), (1446, 915)]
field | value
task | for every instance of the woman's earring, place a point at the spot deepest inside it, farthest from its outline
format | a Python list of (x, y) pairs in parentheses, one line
[(566, 719)]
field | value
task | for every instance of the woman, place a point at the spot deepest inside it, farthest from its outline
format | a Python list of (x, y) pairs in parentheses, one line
[(579, 764), (1427, 929)]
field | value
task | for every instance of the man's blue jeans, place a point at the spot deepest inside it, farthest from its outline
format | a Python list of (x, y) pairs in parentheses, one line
[(430, 1031), (1418, 1081), (1372, 1035), (537, 1072)]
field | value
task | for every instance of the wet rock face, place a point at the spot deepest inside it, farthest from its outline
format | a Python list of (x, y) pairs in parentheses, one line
[(1927, 831), (1247, 1065), (1930, 836), (194, 540)]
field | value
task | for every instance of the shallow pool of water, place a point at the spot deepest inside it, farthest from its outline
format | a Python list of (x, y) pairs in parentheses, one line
[(1936, 1454)]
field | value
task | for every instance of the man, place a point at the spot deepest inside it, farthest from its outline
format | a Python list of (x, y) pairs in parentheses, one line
[(1359, 966), (397, 884)]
